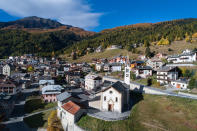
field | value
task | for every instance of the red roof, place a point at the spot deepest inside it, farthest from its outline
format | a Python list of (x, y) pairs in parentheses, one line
[(71, 107)]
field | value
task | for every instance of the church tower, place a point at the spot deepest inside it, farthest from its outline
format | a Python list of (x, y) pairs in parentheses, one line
[(127, 71)]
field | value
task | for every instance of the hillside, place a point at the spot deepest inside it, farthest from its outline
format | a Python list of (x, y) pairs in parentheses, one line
[(151, 113), (47, 37), (31, 22), (175, 47), (43, 37), (138, 34)]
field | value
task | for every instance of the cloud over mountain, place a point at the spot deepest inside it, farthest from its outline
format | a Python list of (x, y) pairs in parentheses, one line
[(72, 12)]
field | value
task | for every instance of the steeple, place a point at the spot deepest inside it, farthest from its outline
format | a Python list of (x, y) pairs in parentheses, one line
[(127, 71)]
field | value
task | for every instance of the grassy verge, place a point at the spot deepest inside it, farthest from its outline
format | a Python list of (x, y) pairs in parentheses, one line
[(151, 113), (154, 82), (36, 104)]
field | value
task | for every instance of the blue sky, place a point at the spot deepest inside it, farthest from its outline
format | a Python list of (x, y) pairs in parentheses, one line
[(97, 15)]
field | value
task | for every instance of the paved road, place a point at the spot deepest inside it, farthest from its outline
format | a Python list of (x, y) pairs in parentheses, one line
[(171, 93), (20, 119)]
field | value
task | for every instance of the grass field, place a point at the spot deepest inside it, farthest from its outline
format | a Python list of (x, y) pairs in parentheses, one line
[(38, 121), (176, 47), (153, 113), (36, 104), (106, 54)]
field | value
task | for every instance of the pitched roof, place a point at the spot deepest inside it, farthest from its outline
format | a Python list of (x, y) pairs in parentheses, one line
[(144, 67), (71, 107), (63, 96), (52, 89), (165, 69), (93, 76), (42, 82), (119, 86)]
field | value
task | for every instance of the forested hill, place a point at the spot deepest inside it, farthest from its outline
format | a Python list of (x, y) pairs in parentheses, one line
[(31, 22), (161, 33), (43, 37), (47, 37)]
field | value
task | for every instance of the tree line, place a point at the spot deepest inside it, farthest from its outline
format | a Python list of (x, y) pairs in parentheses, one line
[(18, 42), (129, 37)]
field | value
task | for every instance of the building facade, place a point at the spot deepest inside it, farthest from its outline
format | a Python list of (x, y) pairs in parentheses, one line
[(115, 98), (50, 92), (167, 74), (92, 81), (6, 70)]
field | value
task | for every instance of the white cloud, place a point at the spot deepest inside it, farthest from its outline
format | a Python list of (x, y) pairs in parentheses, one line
[(72, 12)]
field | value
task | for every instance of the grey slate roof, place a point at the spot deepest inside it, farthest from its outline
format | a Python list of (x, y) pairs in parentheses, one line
[(144, 67), (119, 86), (63, 96), (165, 69)]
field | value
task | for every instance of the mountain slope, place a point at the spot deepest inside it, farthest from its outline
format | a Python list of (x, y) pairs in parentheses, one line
[(37, 35), (32, 22), (138, 34)]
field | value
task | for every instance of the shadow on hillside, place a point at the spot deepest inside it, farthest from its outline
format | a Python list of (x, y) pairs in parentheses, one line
[(135, 97), (35, 121)]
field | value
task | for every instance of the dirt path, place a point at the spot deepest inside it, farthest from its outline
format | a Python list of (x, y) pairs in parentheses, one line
[(153, 126)]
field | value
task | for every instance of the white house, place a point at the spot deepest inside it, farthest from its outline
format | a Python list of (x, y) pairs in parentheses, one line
[(61, 99), (167, 74), (106, 67), (6, 70), (98, 67), (71, 113), (116, 67), (180, 84), (143, 71), (92, 81), (98, 49), (66, 68), (155, 63), (112, 47), (186, 57)]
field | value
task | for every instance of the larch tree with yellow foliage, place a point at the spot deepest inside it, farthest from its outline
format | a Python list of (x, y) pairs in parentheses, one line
[(194, 35), (188, 37), (163, 41), (54, 123), (30, 69)]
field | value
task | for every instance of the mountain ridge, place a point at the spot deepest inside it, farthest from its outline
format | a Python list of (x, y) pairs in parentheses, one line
[(41, 36)]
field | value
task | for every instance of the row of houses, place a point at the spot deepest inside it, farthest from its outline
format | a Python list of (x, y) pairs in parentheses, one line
[(186, 56)]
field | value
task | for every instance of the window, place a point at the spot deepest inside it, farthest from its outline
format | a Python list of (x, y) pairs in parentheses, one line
[(116, 99), (104, 98), (110, 92)]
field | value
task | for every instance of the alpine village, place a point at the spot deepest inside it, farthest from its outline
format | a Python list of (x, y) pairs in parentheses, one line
[(56, 77)]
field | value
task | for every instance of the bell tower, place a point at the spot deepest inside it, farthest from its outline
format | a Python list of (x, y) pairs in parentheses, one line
[(127, 71)]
